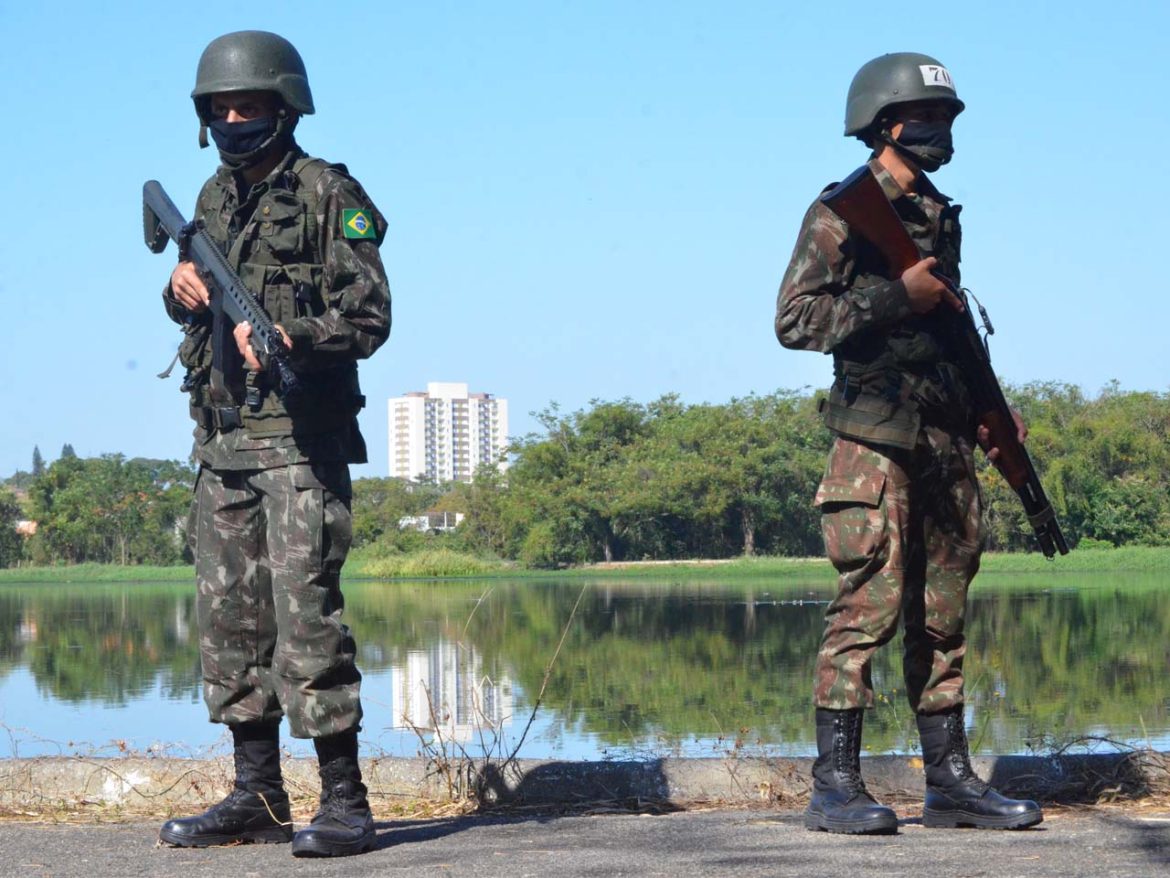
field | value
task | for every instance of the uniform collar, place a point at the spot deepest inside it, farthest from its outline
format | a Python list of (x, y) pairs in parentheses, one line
[(229, 178), (894, 191)]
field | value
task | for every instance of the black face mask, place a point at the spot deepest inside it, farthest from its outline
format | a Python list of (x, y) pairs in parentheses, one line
[(244, 144), (928, 144)]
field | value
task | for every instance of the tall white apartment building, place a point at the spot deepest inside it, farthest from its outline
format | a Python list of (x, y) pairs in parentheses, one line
[(444, 434)]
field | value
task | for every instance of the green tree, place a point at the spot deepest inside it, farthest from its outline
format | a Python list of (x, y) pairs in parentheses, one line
[(19, 480), (107, 509), (562, 498), (379, 504), (1104, 462), (38, 462), (664, 480), (621, 480), (10, 540)]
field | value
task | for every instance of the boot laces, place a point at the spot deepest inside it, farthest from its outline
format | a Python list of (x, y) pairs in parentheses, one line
[(242, 765), (343, 804), (334, 801), (960, 755), (255, 774), (846, 743), (341, 796)]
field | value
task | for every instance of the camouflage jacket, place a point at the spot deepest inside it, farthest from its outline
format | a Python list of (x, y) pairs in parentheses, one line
[(891, 369), (305, 241)]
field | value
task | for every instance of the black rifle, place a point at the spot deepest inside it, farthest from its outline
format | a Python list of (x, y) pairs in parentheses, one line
[(161, 221), (860, 201)]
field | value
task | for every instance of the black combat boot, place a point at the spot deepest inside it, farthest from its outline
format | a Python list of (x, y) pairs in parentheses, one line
[(256, 810), (955, 795), (840, 802), (343, 824)]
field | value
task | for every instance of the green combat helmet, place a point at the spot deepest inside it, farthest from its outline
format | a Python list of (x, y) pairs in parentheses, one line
[(251, 60), (897, 78)]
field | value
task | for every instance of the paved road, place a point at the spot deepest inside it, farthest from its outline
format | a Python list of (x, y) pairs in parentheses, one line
[(743, 844)]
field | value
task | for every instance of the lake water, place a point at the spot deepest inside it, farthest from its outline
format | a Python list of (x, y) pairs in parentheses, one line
[(644, 669)]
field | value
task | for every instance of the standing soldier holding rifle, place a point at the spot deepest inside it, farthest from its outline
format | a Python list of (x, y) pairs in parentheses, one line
[(900, 503), (270, 523)]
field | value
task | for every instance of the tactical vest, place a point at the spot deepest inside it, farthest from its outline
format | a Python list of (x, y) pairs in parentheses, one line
[(275, 252), (890, 381)]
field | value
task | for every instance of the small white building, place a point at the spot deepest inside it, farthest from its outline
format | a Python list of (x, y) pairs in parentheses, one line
[(446, 433), (438, 522)]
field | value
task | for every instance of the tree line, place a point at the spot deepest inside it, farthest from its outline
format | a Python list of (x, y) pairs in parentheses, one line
[(623, 480), (630, 481), (105, 509)]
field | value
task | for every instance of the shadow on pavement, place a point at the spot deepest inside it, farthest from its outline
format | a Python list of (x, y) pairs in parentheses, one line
[(392, 833), (634, 786), (509, 795)]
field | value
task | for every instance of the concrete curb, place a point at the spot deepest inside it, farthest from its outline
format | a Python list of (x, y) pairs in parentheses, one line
[(50, 785)]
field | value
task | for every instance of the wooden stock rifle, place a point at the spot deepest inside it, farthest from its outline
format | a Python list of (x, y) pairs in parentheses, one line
[(860, 201)]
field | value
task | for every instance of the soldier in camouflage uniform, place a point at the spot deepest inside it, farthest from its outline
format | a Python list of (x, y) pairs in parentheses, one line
[(900, 505), (270, 519)]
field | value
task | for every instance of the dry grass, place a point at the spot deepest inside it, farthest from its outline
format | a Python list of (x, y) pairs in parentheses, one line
[(136, 788)]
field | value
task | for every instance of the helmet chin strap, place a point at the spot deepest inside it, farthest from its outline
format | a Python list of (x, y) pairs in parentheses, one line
[(919, 162)]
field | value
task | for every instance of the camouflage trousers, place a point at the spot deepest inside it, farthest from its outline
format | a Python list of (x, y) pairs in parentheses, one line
[(904, 531), (269, 545)]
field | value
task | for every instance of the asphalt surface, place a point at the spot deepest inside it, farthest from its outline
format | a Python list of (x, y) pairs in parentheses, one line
[(1095, 842)]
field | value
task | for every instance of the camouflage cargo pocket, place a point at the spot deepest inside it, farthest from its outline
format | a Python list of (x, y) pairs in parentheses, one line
[(323, 492), (854, 517)]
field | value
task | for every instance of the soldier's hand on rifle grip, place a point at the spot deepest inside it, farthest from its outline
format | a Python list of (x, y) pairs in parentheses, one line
[(984, 436), (188, 288), (243, 336), (925, 290)]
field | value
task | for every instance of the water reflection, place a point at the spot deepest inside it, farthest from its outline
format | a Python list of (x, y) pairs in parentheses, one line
[(695, 669), (444, 690)]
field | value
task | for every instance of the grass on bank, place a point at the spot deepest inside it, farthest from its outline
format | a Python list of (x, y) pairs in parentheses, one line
[(423, 564), (98, 573), (450, 564), (1136, 559)]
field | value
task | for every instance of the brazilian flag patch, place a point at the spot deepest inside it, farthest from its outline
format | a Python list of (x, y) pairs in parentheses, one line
[(357, 224)]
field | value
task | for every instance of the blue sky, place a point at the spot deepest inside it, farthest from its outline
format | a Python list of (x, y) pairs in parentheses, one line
[(586, 200)]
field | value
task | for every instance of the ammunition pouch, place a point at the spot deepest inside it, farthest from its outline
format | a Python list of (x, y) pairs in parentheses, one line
[(328, 402), (871, 408), (888, 405), (194, 345), (211, 420)]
